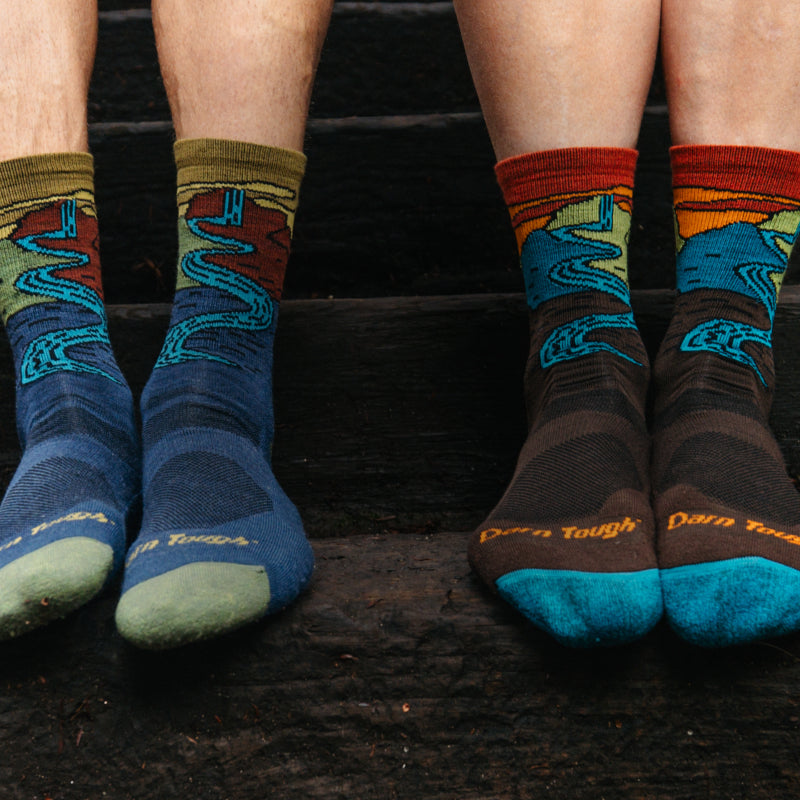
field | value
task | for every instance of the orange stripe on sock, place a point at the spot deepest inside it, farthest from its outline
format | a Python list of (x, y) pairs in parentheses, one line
[(699, 209), (537, 214)]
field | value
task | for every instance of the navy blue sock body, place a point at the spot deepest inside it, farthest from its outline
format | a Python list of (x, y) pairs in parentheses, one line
[(63, 518), (221, 545)]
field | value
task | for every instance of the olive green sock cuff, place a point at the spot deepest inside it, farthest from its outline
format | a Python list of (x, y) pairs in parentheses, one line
[(226, 161), (270, 176), (43, 177)]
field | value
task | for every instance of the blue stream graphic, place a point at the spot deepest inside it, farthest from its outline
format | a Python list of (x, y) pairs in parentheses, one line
[(576, 274), (701, 255), (196, 266), (726, 338), (569, 341), (47, 353)]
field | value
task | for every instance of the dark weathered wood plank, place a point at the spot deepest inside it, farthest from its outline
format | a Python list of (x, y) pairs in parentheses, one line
[(396, 676), (390, 206), (427, 70), (405, 413), (379, 58)]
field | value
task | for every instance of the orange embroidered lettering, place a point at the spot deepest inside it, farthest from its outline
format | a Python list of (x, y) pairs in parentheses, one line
[(758, 527), (676, 520), (493, 533)]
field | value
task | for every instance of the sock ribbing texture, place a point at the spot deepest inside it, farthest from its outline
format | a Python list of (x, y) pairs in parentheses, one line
[(221, 545), (570, 544), (728, 517), (63, 518)]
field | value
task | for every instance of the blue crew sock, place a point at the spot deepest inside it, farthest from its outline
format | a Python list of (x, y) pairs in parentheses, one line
[(571, 542), (221, 545), (728, 516), (63, 518)]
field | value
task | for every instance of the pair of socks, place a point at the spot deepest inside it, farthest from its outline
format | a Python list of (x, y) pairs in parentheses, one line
[(220, 544), (596, 536)]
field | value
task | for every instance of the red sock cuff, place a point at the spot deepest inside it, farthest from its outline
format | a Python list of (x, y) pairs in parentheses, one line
[(730, 168), (546, 173)]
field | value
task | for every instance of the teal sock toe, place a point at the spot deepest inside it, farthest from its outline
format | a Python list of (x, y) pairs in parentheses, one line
[(50, 582), (586, 609), (732, 602), (193, 602)]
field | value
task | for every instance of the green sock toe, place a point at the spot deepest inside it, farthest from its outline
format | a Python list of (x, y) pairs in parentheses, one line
[(193, 602), (50, 582)]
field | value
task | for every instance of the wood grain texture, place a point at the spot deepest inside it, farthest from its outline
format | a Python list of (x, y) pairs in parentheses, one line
[(405, 414), (396, 676), (426, 73), (389, 206)]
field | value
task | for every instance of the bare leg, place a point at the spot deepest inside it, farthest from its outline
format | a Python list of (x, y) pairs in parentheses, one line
[(554, 75), (732, 72), (731, 69), (46, 61), (240, 70)]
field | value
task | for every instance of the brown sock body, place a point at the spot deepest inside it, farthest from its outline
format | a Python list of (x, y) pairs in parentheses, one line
[(728, 517), (579, 497), (571, 542)]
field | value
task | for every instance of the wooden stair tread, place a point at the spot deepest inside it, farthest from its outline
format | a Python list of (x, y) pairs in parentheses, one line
[(405, 413), (396, 676)]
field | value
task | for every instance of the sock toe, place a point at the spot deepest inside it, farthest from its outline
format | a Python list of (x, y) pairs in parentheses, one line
[(585, 609), (732, 602), (50, 582), (193, 602)]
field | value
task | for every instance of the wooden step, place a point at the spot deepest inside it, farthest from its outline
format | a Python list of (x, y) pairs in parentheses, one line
[(398, 675), (418, 401), (379, 58), (427, 71), (390, 206), (405, 414), (397, 205)]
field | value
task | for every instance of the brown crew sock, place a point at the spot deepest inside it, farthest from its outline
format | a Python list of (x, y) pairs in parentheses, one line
[(728, 517), (570, 544)]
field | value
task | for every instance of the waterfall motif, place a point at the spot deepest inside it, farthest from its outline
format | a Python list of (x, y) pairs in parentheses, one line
[(48, 352), (197, 265), (569, 341)]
